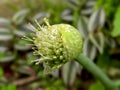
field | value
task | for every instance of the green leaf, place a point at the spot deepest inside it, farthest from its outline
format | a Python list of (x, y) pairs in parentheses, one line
[(3, 88), (66, 15), (116, 24), (1, 55), (20, 16), (117, 82), (8, 56), (4, 31), (22, 45), (97, 86), (69, 72), (89, 49), (11, 87), (1, 72), (98, 40), (82, 26), (104, 59), (6, 37), (73, 4), (97, 20), (23, 69), (30, 57), (4, 21)]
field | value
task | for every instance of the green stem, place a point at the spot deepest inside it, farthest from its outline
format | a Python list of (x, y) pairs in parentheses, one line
[(97, 72)]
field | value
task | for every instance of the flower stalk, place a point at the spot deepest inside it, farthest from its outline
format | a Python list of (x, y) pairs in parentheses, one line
[(97, 72)]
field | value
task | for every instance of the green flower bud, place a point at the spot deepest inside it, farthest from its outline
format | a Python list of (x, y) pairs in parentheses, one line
[(57, 44)]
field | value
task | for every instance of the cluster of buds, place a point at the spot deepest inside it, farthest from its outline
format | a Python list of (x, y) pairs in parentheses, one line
[(56, 44)]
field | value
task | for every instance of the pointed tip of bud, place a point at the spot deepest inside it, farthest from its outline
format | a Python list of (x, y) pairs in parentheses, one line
[(46, 21), (36, 21), (37, 63)]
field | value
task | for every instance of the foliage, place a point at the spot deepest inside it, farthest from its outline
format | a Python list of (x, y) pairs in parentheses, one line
[(97, 20), (109, 6), (116, 30), (95, 86)]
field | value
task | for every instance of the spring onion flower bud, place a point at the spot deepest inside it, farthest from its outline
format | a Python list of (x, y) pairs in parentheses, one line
[(56, 44)]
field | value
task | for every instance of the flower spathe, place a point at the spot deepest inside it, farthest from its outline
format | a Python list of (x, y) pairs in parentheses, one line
[(57, 44)]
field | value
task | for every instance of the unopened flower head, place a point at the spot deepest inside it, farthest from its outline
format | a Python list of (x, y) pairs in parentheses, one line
[(56, 44)]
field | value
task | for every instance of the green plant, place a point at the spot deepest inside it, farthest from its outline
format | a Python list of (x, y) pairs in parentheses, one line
[(95, 26), (8, 87), (60, 43)]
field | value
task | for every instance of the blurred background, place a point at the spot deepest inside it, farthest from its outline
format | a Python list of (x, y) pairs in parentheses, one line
[(97, 20)]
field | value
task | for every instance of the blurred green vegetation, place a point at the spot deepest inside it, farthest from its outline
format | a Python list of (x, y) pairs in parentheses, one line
[(98, 22)]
